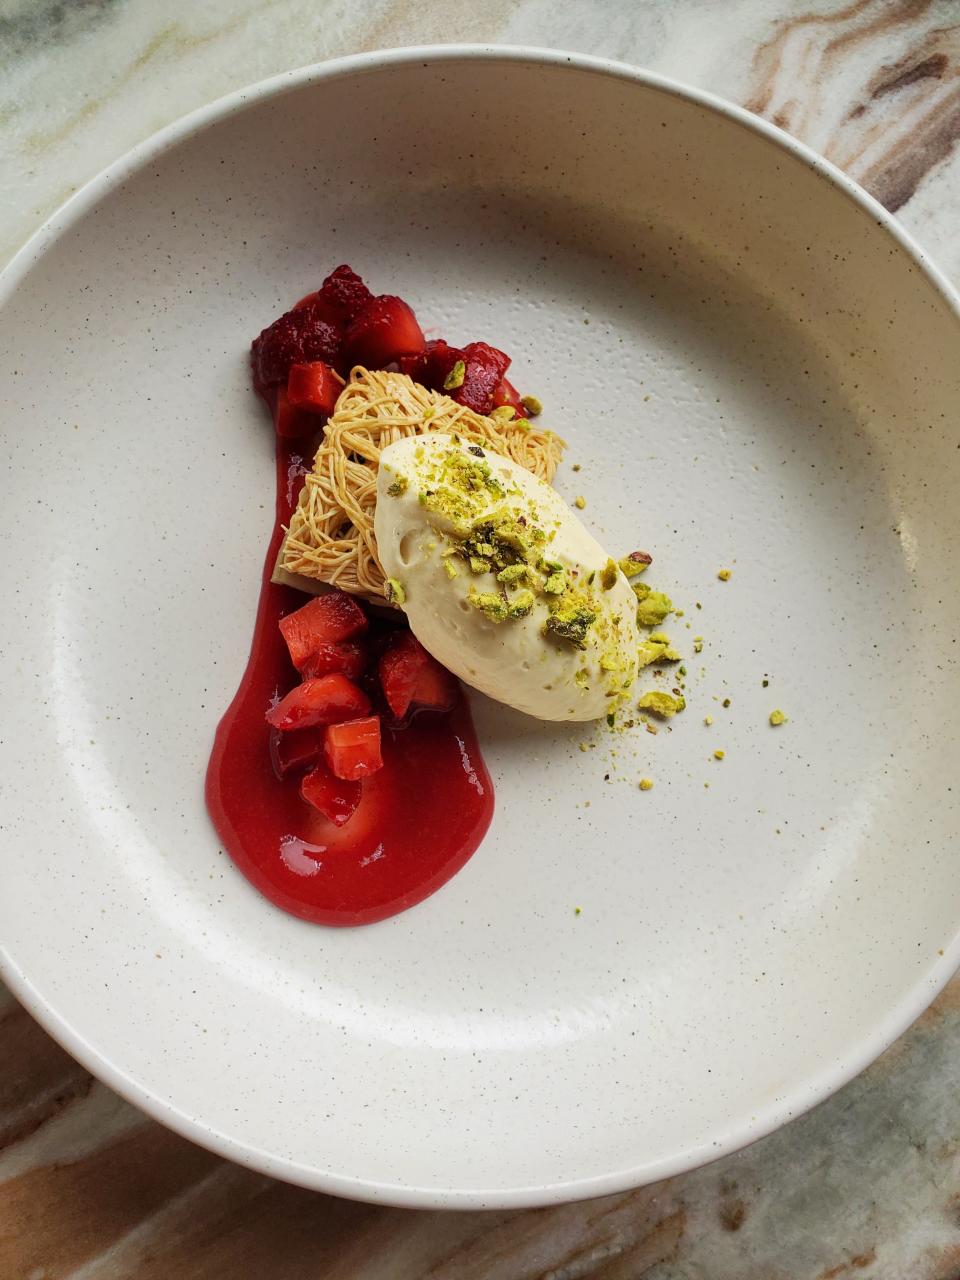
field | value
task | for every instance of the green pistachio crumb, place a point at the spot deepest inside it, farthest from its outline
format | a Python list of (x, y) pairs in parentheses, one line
[(777, 717), (698, 644), (611, 719), (513, 574), (399, 487), (652, 608), (609, 574), (556, 583), (725, 703), (579, 502), (450, 569), (724, 574), (532, 405), (503, 413), (489, 602), (455, 377), (394, 591), (646, 784), (662, 704), (635, 563), (718, 754), (521, 604)]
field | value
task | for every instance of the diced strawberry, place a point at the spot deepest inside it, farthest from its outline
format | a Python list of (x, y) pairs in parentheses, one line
[(348, 656), (485, 367), (289, 422), (325, 620), (399, 669), (382, 331), (352, 748), (507, 393), (314, 387), (411, 678), (300, 335), (296, 750), (344, 293), (336, 798), (433, 365), (436, 688), (320, 700)]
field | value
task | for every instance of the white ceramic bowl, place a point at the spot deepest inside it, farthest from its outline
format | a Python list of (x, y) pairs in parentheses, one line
[(756, 369)]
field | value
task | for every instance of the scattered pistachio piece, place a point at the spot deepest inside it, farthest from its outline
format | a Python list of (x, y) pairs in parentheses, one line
[(504, 413), (608, 575), (532, 405), (708, 720), (399, 487), (718, 754), (724, 575), (662, 704), (777, 717), (646, 784), (579, 502), (394, 591), (455, 377)]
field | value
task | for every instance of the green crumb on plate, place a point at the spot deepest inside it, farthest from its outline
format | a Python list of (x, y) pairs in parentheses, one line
[(777, 717), (533, 406), (662, 704)]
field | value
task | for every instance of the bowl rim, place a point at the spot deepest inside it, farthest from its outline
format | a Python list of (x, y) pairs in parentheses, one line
[(767, 1118)]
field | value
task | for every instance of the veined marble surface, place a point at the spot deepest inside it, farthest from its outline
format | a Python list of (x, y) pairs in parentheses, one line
[(866, 1186)]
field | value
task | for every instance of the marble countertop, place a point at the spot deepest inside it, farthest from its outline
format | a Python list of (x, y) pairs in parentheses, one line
[(865, 1186)]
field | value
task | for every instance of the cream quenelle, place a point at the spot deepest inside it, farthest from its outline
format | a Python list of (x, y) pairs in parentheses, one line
[(501, 582)]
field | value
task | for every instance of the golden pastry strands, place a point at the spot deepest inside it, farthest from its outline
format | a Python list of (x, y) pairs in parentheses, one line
[(331, 537)]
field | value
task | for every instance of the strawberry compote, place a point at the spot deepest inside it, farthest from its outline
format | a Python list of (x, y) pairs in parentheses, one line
[(383, 796), (419, 818)]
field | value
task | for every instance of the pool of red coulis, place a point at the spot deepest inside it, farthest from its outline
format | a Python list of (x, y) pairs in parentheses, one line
[(419, 819)]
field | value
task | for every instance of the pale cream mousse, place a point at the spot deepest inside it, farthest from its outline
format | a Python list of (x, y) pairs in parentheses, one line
[(501, 582)]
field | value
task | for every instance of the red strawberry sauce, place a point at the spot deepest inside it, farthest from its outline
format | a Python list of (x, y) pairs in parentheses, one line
[(420, 817)]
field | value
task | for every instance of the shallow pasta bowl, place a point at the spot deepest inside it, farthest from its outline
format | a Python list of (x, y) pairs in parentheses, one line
[(755, 370)]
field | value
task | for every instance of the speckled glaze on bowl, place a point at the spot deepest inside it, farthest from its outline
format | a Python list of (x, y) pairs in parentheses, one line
[(756, 369)]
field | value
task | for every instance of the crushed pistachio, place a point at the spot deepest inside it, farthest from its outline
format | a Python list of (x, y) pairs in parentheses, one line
[(608, 575), (646, 784), (455, 377), (521, 604), (698, 644), (513, 574), (582, 681), (556, 583), (571, 620), (492, 603), (394, 591), (579, 502), (648, 652), (725, 702), (652, 608), (399, 487), (575, 467), (718, 754), (532, 405), (708, 720), (724, 574), (503, 413), (662, 704), (636, 562), (765, 683), (450, 569), (777, 717)]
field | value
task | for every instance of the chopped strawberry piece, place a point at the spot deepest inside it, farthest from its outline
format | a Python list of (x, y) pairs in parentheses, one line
[(507, 393), (290, 422), (352, 748), (300, 335), (436, 688), (326, 620), (411, 678), (320, 700), (314, 387), (478, 381), (344, 293), (336, 798), (485, 367), (433, 365), (399, 668), (348, 656), (381, 332), (296, 750)]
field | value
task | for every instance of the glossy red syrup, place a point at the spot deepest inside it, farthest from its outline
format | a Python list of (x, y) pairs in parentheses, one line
[(419, 820)]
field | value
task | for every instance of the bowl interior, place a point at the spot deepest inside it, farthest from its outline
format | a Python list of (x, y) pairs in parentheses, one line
[(752, 373)]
